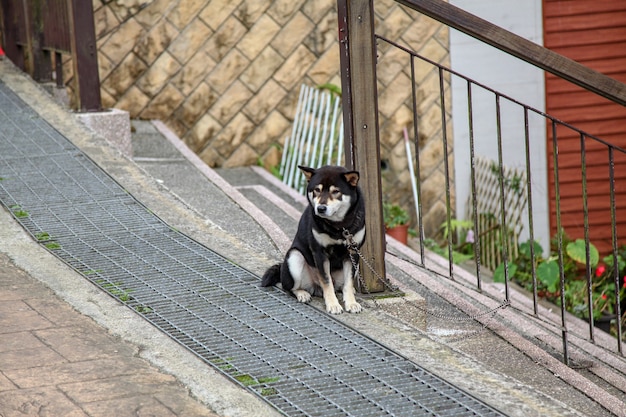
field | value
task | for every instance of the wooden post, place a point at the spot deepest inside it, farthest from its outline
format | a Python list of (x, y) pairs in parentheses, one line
[(360, 110), (28, 60), (84, 55), (41, 69)]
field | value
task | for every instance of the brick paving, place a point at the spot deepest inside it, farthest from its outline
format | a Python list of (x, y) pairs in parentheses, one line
[(55, 361)]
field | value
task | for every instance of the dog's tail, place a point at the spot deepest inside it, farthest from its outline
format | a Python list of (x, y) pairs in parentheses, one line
[(271, 276)]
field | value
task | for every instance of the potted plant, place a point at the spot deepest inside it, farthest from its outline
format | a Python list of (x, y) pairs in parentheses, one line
[(396, 221)]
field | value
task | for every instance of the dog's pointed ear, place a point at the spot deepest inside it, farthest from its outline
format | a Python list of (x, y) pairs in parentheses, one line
[(308, 172), (352, 177)]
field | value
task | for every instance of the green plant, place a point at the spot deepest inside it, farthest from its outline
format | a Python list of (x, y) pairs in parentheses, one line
[(578, 292), (223, 364), (457, 257), (116, 290), (513, 182), (246, 380), (603, 285), (143, 309), (42, 236), (462, 235), (273, 169), (458, 226), (266, 392), (520, 269), (249, 380), (334, 90), (394, 215), (18, 212), (462, 232)]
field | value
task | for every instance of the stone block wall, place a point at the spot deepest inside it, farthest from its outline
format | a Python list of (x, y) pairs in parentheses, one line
[(429, 39), (225, 76)]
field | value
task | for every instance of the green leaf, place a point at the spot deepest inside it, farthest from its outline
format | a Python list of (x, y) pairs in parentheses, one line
[(333, 88), (524, 249), (458, 257), (394, 215), (576, 251), (608, 261), (548, 274), (620, 263), (498, 274)]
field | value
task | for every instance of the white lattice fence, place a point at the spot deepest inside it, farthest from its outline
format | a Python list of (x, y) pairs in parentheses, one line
[(489, 210), (316, 137)]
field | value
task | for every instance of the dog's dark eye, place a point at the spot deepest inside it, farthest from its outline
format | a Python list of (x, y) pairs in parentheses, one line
[(336, 193)]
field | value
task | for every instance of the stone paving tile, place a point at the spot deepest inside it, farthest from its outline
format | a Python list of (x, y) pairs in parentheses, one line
[(6, 384), (16, 315), (10, 293), (66, 373), (14, 306), (177, 402), (28, 358), (82, 343), (37, 402), (18, 341), (55, 311), (141, 406), (56, 362), (118, 387), (14, 285)]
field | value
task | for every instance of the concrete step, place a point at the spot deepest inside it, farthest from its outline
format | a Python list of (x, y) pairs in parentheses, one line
[(268, 194)]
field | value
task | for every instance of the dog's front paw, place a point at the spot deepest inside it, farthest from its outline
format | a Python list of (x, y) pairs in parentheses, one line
[(334, 308), (302, 295), (353, 307)]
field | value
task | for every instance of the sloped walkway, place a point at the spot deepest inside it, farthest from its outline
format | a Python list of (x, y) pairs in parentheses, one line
[(297, 358), (489, 367)]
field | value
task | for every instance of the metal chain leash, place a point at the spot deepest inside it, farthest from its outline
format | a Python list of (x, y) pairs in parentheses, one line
[(353, 250)]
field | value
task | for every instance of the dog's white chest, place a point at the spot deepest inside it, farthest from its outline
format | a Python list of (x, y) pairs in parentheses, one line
[(325, 240)]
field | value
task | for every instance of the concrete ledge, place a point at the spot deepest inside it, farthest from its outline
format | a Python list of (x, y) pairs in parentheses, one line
[(408, 307), (113, 125), (58, 94)]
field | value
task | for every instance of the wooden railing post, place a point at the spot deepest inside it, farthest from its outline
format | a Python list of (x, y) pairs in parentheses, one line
[(84, 55), (28, 60), (360, 110), (41, 64)]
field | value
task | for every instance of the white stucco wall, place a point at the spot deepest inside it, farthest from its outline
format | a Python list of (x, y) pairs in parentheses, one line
[(512, 77)]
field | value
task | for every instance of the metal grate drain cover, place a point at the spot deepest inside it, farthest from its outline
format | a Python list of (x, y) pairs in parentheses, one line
[(298, 359)]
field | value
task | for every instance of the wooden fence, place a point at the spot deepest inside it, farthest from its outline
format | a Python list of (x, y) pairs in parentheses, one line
[(36, 35)]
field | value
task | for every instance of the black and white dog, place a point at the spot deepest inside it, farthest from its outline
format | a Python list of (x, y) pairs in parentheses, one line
[(318, 258)]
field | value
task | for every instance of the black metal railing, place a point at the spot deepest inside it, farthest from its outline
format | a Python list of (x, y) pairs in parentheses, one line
[(556, 260)]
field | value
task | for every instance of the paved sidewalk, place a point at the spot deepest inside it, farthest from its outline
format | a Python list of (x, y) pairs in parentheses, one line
[(55, 361)]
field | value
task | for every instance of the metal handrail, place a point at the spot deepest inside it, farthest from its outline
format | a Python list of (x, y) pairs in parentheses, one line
[(358, 38), (521, 48)]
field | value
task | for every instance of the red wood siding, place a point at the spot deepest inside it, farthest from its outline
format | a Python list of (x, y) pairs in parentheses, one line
[(594, 34)]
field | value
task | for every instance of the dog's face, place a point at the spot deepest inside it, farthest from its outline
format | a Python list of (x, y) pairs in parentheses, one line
[(331, 191)]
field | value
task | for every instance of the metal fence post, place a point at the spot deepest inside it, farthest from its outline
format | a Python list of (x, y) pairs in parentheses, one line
[(360, 109)]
